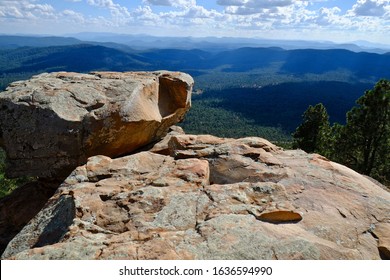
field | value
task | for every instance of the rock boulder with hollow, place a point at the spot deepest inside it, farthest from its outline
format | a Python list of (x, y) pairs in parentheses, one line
[(53, 122)]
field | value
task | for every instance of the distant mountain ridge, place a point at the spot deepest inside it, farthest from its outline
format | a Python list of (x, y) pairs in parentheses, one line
[(143, 42), (77, 58), (83, 57), (14, 41)]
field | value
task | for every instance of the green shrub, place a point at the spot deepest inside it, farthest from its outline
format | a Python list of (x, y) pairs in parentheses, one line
[(8, 185)]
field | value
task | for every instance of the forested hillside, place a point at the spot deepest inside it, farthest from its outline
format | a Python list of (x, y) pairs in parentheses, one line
[(272, 111)]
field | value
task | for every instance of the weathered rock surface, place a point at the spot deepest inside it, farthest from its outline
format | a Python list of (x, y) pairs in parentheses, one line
[(17, 209), (53, 122), (210, 198)]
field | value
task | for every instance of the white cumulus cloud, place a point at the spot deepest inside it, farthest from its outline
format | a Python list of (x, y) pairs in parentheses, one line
[(248, 7), (72, 16), (375, 8), (171, 3), (25, 9), (328, 16), (120, 14), (231, 2)]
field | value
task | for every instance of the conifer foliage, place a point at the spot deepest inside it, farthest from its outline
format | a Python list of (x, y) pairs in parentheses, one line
[(363, 143), (309, 135)]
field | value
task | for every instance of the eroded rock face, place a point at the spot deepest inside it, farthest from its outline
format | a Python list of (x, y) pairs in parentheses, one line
[(210, 198), (53, 122), (17, 209)]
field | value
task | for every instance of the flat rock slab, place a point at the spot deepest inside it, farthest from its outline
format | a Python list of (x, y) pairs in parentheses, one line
[(53, 122), (211, 198)]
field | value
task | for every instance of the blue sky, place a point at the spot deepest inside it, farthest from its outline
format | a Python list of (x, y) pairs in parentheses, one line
[(335, 20)]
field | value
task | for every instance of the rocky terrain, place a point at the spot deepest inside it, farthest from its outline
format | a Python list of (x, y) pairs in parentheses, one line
[(184, 196)]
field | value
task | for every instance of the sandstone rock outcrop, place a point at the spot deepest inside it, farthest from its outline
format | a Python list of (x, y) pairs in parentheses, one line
[(210, 198), (53, 122), (17, 209)]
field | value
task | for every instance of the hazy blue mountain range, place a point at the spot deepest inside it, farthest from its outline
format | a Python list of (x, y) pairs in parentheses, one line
[(13, 41), (66, 55), (142, 42), (217, 43)]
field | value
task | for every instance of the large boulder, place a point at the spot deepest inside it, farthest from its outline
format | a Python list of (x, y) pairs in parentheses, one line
[(53, 122), (210, 198)]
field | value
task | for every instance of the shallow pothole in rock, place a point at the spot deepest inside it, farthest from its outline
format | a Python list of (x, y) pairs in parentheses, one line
[(281, 217)]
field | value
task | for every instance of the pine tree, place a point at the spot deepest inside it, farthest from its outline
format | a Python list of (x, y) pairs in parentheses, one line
[(364, 142), (311, 135)]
